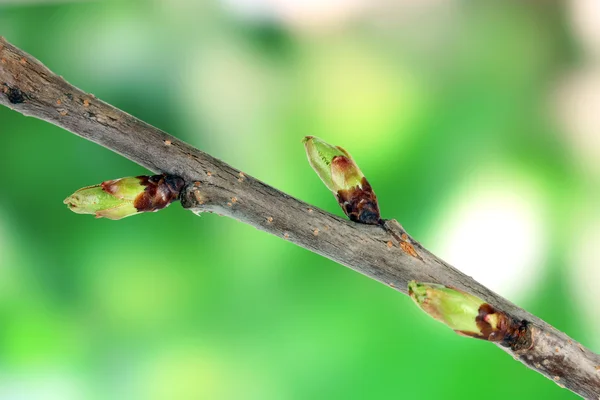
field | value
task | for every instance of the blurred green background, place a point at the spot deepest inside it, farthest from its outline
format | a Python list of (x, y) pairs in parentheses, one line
[(477, 123)]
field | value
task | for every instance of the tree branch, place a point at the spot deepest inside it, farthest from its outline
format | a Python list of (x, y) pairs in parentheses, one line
[(28, 87)]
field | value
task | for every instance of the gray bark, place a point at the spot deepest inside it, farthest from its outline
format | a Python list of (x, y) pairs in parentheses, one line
[(28, 87)]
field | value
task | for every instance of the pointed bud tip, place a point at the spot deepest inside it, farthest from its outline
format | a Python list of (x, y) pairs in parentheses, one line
[(333, 165), (72, 203), (96, 201)]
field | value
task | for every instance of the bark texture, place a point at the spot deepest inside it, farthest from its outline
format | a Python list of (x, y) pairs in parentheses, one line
[(385, 253)]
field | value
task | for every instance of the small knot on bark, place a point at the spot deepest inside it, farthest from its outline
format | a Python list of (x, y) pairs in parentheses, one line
[(14, 95), (519, 336)]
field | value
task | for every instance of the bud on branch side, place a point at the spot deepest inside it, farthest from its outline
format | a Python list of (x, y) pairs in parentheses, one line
[(120, 198), (341, 175)]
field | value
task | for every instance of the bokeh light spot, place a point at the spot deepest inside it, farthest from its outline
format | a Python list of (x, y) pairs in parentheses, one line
[(354, 93), (41, 385), (494, 231), (577, 102), (304, 15)]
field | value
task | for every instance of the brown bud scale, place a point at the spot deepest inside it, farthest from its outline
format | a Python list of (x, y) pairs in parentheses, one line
[(160, 191), (360, 203), (508, 331)]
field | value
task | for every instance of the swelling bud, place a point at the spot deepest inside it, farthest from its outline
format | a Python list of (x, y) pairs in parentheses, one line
[(454, 308), (341, 175), (469, 315), (120, 198)]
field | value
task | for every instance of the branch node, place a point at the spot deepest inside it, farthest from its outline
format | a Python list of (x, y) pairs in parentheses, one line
[(14, 94)]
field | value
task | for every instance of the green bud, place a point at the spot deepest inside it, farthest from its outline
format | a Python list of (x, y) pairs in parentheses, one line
[(95, 200), (455, 308), (333, 164), (470, 316), (341, 175), (120, 198)]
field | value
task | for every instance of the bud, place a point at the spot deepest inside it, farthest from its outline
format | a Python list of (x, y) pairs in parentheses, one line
[(341, 175), (469, 315), (120, 198), (457, 309)]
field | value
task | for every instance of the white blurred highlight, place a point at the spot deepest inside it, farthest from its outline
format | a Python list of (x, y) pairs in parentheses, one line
[(585, 20), (46, 385), (584, 269), (495, 231), (303, 14), (114, 47), (236, 93), (578, 109)]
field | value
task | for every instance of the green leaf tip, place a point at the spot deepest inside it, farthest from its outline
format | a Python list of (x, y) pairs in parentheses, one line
[(120, 198), (469, 315), (341, 175)]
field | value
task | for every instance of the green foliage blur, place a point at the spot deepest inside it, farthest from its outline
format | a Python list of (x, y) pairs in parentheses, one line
[(456, 111)]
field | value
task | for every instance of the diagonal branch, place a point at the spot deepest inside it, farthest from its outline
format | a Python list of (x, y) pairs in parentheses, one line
[(381, 253)]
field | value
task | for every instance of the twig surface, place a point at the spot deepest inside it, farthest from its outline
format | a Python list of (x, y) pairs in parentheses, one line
[(28, 87)]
